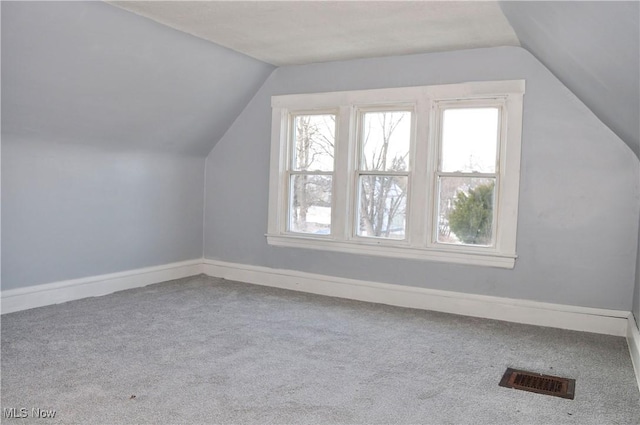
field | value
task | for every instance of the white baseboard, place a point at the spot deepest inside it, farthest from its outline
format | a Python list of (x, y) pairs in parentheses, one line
[(610, 322), (68, 290), (633, 339)]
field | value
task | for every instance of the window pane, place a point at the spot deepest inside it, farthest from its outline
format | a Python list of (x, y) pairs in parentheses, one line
[(465, 213), (310, 204), (469, 140), (385, 141), (314, 140), (382, 207)]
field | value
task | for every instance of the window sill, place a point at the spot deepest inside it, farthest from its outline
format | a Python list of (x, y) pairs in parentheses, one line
[(468, 256)]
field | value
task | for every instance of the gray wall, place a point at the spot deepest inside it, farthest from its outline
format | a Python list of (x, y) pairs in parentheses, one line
[(593, 48), (70, 210), (636, 293), (106, 120), (578, 223)]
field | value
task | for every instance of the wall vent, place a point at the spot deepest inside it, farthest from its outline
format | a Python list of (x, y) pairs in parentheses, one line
[(538, 383)]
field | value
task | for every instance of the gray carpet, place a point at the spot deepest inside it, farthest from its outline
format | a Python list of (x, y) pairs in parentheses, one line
[(203, 350)]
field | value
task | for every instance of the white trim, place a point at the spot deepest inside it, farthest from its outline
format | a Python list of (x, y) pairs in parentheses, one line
[(610, 322), (393, 249), (425, 104), (93, 286), (633, 340), (454, 91)]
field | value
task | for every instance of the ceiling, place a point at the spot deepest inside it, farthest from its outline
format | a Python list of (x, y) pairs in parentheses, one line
[(577, 40), (302, 32), (121, 77), (593, 47)]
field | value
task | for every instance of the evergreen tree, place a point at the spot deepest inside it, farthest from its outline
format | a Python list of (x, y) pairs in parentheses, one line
[(472, 216)]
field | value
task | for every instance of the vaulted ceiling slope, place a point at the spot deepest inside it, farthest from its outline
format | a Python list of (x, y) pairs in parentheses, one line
[(594, 49), (90, 73), (303, 32), (93, 73)]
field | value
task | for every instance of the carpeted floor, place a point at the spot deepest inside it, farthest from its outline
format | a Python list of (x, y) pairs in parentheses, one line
[(204, 350)]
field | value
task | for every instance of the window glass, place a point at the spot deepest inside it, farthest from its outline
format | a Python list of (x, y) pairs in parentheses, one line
[(310, 204), (311, 175), (314, 140), (469, 140), (465, 211), (384, 146), (382, 206), (386, 137)]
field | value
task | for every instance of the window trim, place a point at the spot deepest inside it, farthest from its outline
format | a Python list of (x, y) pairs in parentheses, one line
[(426, 103)]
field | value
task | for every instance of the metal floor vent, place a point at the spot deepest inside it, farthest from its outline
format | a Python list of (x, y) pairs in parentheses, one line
[(537, 383)]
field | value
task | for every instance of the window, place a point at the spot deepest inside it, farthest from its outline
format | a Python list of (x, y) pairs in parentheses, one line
[(310, 173), (382, 173), (427, 172)]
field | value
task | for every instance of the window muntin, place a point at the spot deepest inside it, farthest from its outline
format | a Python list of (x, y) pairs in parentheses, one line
[(310, 175), (435, 173), (382, 175)]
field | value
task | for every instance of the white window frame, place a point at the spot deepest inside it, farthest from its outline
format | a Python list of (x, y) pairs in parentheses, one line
[(427, 103)]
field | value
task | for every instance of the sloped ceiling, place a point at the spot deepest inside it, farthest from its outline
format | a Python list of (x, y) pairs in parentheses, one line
[(93, 74), (302, 32), (594, 49)]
